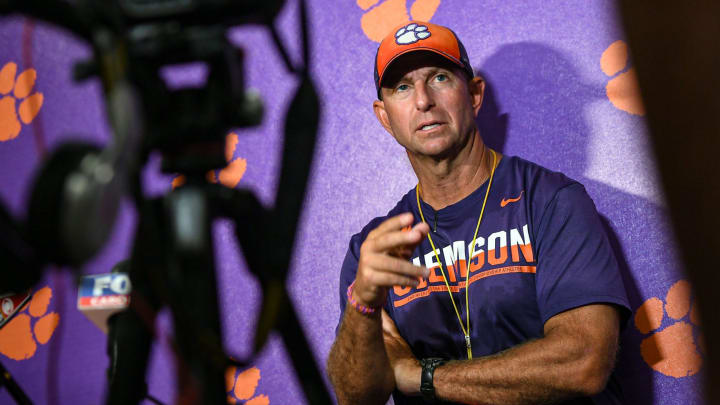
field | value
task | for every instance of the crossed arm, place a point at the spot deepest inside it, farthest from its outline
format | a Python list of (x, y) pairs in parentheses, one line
[(369, 358), (575, 357)]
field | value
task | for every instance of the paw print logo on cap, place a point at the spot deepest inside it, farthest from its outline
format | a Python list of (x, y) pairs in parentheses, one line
[(411, 33)]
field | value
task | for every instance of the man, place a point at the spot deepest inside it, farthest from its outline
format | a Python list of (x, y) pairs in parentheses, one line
[(540, 317)]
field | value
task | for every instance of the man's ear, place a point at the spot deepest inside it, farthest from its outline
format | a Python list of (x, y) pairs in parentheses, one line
[(476, 85), (381, 114)]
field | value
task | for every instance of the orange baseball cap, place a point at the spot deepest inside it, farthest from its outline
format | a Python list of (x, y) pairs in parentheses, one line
[(419, 36)]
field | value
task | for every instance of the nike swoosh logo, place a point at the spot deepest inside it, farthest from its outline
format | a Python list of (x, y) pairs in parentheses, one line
[(505, 202)]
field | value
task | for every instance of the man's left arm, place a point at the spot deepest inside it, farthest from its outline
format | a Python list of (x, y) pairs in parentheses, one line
[(574, 358)]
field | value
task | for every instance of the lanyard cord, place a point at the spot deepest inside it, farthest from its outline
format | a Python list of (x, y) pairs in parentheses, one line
[(466, 330)]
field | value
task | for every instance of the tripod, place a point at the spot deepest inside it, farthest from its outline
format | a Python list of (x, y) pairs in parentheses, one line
[(172, 262)]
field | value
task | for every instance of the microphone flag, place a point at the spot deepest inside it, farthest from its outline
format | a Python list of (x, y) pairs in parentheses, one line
[(102, 295)]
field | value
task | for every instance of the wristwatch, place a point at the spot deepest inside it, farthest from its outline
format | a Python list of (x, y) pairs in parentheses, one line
[(427, 389)]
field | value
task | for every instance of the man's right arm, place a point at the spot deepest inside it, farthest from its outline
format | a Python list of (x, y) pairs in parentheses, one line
[(358, 364)]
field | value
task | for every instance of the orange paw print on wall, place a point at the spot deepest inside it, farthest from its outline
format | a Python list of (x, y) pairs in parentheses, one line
[(622, 90), (378, 20), (241, 387), (12, 90), (18, 340), (672, 350), (231, 175)]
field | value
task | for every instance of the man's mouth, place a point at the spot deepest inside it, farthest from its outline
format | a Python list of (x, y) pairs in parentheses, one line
[(427, 126)]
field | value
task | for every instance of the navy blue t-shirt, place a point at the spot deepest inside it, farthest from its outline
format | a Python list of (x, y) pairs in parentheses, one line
[(540, 250)]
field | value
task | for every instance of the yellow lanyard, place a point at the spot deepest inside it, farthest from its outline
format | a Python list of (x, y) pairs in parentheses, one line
[(466, 330)]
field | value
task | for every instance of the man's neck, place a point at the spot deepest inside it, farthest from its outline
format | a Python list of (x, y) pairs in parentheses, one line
[(447, 181)]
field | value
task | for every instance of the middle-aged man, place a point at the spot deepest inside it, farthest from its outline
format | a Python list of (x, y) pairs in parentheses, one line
[(491, 281)]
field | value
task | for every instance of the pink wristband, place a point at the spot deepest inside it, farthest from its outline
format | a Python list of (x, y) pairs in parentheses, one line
[(359, 307)]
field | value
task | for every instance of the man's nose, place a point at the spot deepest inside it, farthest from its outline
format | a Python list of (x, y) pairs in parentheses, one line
[(423, 97)]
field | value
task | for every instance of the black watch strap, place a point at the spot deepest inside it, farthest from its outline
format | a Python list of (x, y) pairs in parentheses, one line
[(427, 389)]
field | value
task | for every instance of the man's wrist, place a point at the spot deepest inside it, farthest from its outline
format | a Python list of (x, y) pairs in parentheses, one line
[(358, 304), (408, 374), (427, 386)]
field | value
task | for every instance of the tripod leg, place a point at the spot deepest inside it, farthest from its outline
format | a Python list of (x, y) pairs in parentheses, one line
[(193, 291), (302, 358), (276, 311), (13, 388)]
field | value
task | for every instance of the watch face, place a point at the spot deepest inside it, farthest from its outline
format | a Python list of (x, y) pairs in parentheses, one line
[(427, 388)]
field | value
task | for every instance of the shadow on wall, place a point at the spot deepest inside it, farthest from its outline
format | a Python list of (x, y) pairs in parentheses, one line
[(532, 90)]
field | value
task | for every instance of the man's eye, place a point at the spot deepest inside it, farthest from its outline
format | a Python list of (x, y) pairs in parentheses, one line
[(402, 87), (441, 77)]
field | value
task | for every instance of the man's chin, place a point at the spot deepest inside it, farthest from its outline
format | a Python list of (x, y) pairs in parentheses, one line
[(435, 153), (433, 145)]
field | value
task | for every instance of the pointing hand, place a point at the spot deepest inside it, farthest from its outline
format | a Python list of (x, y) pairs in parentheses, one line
[(384, 260)]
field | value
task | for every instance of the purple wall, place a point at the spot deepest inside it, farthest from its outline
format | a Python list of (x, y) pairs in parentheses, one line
[(559, 95)]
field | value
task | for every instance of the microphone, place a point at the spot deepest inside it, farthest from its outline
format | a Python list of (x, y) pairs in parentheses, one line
[(105, 300), (77, 193), (100, 296)]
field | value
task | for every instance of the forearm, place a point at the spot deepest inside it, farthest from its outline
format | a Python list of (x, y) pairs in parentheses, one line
[(358, 365), (540, 371)]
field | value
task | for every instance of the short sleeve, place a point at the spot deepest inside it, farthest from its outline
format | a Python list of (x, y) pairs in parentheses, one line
[(347, 276), (576, 265)]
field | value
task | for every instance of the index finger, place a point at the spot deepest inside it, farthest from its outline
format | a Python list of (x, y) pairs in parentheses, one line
[(393, 224)]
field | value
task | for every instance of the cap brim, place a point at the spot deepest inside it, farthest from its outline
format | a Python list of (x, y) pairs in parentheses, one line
[(392, 61)]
